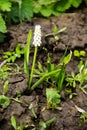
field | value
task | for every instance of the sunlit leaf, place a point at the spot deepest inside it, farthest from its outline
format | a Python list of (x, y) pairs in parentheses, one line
[(76, 3), (26, 10), (3, 28), (53, 98), (5, 5), (67, 58), (82, 53), (5, 87), (13, 122), (4, 101)]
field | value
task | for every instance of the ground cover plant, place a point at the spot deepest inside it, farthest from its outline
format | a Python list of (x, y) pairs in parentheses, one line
[(43, 78), (16, 11), (6, 65), (55, 7)]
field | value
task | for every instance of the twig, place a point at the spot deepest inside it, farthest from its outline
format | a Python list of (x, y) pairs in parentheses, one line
[(4, 62)]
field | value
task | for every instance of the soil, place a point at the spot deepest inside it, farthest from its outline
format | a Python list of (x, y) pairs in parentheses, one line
[(74, 37)]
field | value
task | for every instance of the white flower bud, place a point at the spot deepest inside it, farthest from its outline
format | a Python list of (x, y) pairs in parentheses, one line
[(37, 36)]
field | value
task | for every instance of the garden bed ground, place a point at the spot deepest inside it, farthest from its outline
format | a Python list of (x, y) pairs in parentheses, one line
[(74, 37)]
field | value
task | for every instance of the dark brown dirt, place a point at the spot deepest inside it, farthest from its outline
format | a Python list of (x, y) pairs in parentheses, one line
[(74, 37)]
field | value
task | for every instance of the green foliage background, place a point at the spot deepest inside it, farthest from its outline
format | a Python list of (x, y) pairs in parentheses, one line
[(18, 10), (55, 7)]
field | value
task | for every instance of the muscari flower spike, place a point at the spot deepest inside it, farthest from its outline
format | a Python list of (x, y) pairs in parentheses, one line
[(37, 36)]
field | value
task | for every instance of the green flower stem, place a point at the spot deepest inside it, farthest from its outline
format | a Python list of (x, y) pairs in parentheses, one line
[(44, 77), (33, 65)]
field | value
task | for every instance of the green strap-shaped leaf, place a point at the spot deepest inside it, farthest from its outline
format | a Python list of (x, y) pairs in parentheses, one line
[(44, 77), (27, 53), (13, 122)]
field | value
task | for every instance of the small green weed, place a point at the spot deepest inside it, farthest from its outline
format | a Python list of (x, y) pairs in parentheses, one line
[(53, 98), (6, 67), (4, 100), (55, 33), (14, 124), (47, 123), (83, 117), (20, 126), (12, 56), (80, 78), (4, 72), (79, 54), (5, 87), (32, 110), (71, 80)]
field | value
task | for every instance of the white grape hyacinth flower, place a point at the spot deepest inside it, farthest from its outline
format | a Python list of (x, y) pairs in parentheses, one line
[(37, 36)]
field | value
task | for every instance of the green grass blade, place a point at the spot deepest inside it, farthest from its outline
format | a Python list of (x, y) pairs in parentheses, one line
[(27, 52), (60, 78), (44, 77)]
